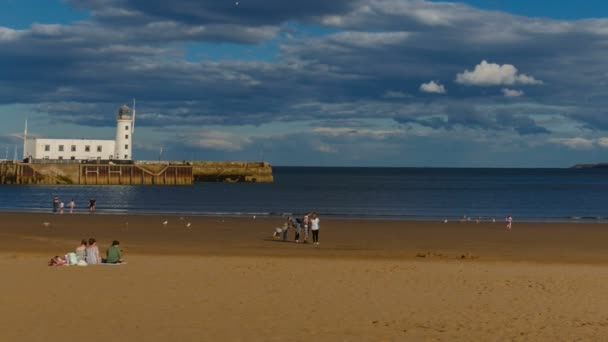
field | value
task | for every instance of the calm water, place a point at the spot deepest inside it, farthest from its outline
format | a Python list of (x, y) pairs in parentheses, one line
[(527, 194)]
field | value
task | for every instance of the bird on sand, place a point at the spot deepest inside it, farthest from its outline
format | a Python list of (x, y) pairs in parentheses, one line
[(46, 224), (165, 223), (188, 225)]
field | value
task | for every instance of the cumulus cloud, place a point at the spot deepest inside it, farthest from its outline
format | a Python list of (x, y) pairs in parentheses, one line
[(217, 140), (432, 87), (512, 92), (576, 143), (492, 74), (393, 94)]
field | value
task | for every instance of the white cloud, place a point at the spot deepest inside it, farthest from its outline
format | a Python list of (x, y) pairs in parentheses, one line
[(324, 148), (221, 141), (7, 34), (512, 92), (392, 94), (602, 142), (574, 143), (432, 87), (492, 74), (375, 134)]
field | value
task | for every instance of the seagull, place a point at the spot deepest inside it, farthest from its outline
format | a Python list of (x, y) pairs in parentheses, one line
[(188, 225), (254, 217), (181, 217), (165, 223), (445, 221), (46, 224)]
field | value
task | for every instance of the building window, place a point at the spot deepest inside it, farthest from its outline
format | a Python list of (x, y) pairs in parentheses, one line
[(87, 148), (126, 128), (73, 148), (60, 157), (98, 148), (111, 157), (126, 136), (60, 148), (126, 146), (47, 148), (126, 156), (73, 158)]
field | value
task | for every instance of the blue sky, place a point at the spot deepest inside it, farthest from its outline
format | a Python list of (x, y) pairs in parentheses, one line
[(346, 83)]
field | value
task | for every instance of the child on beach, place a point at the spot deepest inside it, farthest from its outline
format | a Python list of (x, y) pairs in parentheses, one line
[(306, 226), (509, 220), (72, 204), (92, 205), (61, 206)]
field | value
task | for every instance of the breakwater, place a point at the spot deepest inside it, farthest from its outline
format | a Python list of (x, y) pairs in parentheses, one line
[(138, 173)]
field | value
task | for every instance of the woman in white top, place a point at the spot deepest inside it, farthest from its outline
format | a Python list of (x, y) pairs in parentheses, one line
[(92, 253), (314, 226)]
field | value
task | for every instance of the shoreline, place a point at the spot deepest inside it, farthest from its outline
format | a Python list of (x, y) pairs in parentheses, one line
[(439, 219)]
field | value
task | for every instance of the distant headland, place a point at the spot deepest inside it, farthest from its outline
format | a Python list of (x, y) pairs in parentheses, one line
[(590, 166)]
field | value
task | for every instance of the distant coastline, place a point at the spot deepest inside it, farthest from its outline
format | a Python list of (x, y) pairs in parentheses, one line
[(590, 166)]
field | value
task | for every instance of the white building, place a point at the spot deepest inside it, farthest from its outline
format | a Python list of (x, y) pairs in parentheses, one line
[(86, 149)]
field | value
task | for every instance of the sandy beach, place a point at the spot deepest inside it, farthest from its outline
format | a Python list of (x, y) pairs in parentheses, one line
[(368, 280)]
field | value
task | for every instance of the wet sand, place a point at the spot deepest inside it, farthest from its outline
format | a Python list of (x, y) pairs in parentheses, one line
[(226, 279)]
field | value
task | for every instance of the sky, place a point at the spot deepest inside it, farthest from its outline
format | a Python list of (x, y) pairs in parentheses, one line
[(398, 83)]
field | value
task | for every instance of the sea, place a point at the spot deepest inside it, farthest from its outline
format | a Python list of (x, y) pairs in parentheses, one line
[(485, 194)]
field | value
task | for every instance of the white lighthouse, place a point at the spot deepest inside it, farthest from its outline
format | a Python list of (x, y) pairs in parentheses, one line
[(125, 124), (85, 149)]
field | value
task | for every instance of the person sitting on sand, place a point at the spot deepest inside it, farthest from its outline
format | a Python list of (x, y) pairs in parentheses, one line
[(81, 251), (114, 254), (92, 253)]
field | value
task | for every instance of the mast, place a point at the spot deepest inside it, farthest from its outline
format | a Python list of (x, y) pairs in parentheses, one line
[(25, 139), (133, 120)]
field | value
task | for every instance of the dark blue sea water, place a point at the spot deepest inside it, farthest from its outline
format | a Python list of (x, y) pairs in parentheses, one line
[(411, 193)]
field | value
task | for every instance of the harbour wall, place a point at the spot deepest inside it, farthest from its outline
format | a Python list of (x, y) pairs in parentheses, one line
[(139, 173)]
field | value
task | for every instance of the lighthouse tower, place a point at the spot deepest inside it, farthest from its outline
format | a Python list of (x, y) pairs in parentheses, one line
[(125, 123)]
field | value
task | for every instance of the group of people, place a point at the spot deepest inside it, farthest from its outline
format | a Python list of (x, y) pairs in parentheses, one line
[(88, 254), (59, 206), (301, 227)]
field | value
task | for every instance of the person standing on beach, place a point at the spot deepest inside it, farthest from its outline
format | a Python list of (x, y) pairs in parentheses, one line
[(314, 226), (92, 204), (306, 226), (509, 220), (72, 204), (61, 206), (55, 204)]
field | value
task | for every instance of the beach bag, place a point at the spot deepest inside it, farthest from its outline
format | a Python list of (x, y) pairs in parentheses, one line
[(71, 258)]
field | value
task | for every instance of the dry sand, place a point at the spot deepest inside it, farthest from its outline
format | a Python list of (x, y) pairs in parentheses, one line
[(223, 279)]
